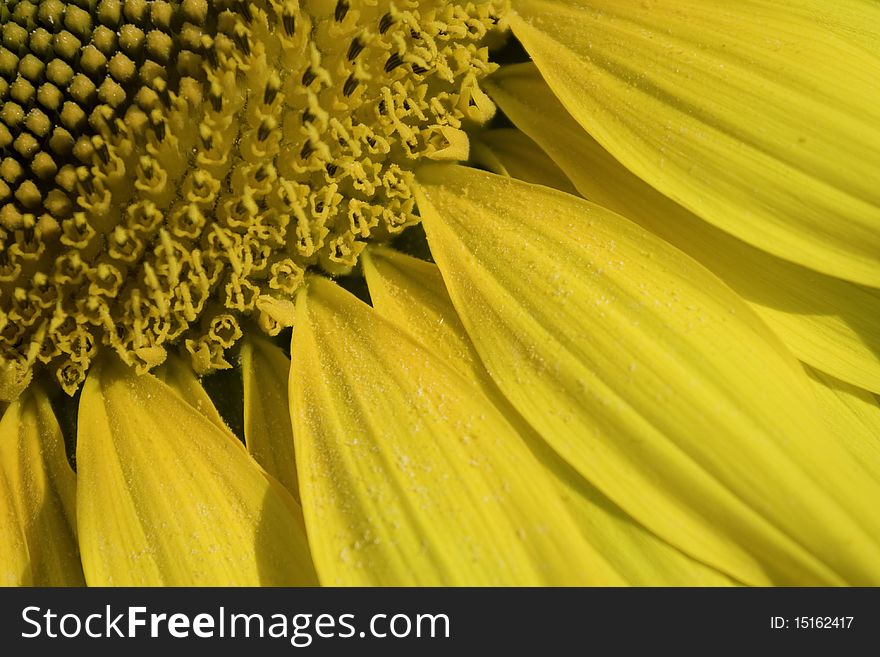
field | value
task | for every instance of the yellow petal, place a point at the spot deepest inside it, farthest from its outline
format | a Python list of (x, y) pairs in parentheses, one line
[(854, 20), (37, 498), (755, 117), (178, 375), (411, 294), (826, 322), (408, 474), (167, 498), (651, 378), (637, 554), (267, 429), (853, 416), (14, 378), (510, 153)]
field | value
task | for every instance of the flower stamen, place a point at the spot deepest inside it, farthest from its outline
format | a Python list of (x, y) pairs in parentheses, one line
[(165, 164)]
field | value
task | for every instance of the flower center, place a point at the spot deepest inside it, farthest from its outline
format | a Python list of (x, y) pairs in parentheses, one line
[(169, 167)]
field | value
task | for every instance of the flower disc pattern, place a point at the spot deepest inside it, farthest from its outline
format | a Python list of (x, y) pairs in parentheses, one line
[(168, 168)]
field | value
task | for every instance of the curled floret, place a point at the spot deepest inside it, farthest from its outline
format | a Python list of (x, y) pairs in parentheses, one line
[(171, 169)]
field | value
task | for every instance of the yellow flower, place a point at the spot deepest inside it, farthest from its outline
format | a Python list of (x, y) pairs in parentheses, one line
[(639, 344)]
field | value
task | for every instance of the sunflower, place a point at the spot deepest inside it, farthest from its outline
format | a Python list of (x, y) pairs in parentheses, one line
[(502, 292)]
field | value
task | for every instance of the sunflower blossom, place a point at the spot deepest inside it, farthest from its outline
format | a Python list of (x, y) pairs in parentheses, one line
[(604, 313)]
